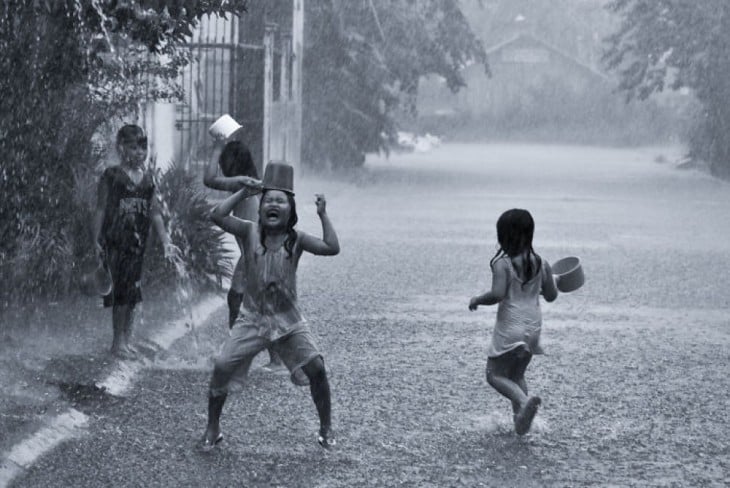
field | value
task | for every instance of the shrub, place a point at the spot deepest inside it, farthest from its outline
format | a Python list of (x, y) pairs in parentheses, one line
[(187, 214)]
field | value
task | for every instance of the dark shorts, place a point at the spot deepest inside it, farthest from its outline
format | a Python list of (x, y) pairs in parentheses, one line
[(126, 271), (295, 349)]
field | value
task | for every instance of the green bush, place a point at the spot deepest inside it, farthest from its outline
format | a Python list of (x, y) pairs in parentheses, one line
[(50, 260), (186, 210)]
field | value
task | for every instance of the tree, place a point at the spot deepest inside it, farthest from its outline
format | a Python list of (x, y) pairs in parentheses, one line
[(363, 61), (676, 44), (69, 65)]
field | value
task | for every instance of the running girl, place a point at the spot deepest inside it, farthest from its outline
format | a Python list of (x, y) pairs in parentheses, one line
[(519, 277)]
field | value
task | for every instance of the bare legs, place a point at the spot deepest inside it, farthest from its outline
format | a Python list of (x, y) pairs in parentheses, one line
[(122, 322), (318, 386), (506, 374), (213, 429)]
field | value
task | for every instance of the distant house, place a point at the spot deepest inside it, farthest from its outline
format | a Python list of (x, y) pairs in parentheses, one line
[(532, 82)]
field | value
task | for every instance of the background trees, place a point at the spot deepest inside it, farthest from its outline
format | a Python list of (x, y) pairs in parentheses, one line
[(679, 44), (68, 66), (363, 61)]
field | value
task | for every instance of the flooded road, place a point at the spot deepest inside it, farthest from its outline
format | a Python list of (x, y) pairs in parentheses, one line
[(634, 383)]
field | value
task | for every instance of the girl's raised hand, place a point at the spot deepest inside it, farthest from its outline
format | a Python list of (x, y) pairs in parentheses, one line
[(248, 182), (321, 203), (473, 304)]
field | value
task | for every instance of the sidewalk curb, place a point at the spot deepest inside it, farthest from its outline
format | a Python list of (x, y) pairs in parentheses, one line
[(72, 423)]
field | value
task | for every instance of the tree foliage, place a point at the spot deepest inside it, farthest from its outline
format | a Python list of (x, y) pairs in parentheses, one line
[(362, 63), (676, 44), (68, 66)]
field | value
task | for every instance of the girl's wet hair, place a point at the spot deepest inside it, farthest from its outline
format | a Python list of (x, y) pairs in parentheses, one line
[(291, 237), (131, 132), (515, 229), (236, 160)]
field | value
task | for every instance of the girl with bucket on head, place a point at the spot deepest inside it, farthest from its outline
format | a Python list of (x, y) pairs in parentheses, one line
[(233, 158), (127, 203), (271, 317), (519, 277)]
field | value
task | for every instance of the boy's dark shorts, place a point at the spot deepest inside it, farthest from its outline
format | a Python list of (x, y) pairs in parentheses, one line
[(126, 271)]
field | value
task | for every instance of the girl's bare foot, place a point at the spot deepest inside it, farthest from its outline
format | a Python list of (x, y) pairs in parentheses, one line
[(211, 438), (523, 418), (122, 353)]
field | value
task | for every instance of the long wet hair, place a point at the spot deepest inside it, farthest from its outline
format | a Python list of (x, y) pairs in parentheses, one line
[(236, 160), (291, 234), (515, 229)]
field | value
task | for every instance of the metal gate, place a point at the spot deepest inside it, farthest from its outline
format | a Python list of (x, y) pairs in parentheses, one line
[(209, 88), (248, 67)]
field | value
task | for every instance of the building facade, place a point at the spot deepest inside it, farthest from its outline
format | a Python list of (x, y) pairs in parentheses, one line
[(249, 67)]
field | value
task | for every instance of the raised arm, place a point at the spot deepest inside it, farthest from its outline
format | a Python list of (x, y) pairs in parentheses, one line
[(213, 179), (549, 289), (499, 287), (329, 245), (221, 215)]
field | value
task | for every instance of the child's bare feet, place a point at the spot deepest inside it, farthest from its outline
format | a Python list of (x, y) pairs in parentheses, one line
[(122, 353), (211, 438), (326, 437), (523, 418)]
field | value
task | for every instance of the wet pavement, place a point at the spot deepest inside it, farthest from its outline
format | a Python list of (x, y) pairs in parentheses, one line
[(634, 382)]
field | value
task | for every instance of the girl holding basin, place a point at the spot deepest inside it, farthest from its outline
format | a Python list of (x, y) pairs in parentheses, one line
[(519, 277)]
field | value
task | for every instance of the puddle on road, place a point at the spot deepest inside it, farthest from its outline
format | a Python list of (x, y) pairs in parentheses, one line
[(88, 395)]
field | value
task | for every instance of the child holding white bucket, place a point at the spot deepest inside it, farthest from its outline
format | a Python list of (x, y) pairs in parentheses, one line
[(519, 277), (127, 202), (237, 170), (271, 317)]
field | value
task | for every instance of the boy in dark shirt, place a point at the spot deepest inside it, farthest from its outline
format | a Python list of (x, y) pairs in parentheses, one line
[(127, 203)]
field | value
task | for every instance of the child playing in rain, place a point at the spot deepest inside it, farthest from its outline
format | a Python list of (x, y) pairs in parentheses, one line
[(127, 202), (271, 317), (519, 277), (238, 170)]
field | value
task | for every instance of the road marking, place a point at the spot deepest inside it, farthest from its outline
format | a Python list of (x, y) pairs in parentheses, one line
[(63, 427), (121, 379), (72, 422)]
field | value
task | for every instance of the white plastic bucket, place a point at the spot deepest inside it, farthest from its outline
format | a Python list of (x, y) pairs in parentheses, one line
[(568, 274), (224, 127)]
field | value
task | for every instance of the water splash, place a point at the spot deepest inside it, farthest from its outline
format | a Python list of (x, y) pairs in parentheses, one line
[(95, 4), (184, 291), (184, 282)]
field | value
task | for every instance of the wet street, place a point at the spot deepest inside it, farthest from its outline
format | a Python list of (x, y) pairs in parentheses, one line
[(634, 382)]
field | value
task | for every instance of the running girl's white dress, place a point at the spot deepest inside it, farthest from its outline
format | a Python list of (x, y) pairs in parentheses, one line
[(519, 319)]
